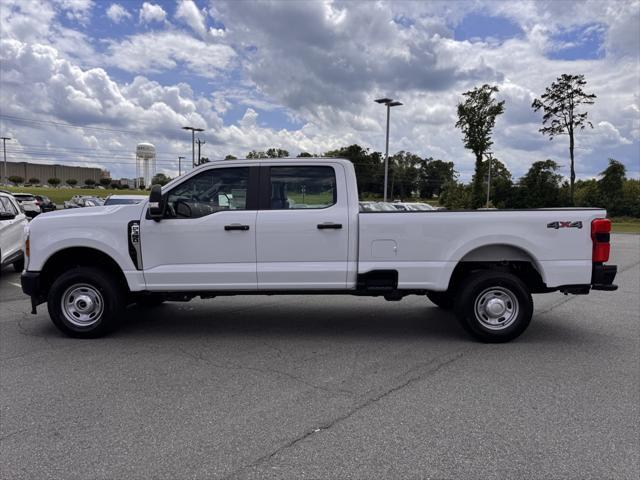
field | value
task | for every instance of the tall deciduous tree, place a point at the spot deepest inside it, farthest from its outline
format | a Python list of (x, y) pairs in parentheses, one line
[(433, 176), (540, 186), (562, 116), (368, 167), (610, 186), (476, 118), (501, 183)]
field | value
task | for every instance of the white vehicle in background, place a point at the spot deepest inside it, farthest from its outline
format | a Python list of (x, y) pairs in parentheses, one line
[(419, 207), (12, 224), (412, 207), (29, 204), (287, 226), (79, 201), (124, 199)]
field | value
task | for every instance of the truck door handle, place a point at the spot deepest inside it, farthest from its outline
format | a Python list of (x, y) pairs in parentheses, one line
[(236, 226), (329, 225)]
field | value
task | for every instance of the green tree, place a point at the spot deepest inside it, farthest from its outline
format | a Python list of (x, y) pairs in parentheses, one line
[(456, 196), (204, 160), (540, 186), (587, 193), (54, 182), (254, 154), (368, 166), (403, 174), (277, 153), (611, 185), (561, 115), (230, 157), (160, 179), (72, 182), (304, 155), (105, 182), (631, 198), (34, 181), (90, 182), (476, 118), (433, 175), (16, 179), (501, 183)]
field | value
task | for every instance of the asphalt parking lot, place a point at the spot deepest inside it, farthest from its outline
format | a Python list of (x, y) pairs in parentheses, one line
[(325, 387)]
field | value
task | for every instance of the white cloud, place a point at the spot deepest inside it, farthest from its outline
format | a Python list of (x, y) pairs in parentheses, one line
[(78, 10), (117, 12), (151, 12), (166, 50), (189, 13), (303, 76)]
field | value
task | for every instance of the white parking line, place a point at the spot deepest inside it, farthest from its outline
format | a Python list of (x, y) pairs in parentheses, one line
[(15, 284)]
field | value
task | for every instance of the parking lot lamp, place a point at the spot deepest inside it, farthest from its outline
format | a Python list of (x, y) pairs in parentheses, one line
[(4, 149), (389, 102), (193, 143)]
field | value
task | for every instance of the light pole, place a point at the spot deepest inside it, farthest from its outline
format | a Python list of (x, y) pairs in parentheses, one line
[(193, 143), (389, 102), (4, 149), (180, 165), (490, 155)]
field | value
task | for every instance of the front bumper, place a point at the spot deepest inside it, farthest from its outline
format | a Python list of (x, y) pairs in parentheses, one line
[(602, 277), (32, 286), (30, 283)]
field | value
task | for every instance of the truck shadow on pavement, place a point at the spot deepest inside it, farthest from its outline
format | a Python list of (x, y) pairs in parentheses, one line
[(284, 319), (290, 319)]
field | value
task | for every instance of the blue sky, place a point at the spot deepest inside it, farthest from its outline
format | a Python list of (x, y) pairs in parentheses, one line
[(302, 76)]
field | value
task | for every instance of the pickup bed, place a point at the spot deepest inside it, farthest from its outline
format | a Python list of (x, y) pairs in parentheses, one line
[(294, 226)]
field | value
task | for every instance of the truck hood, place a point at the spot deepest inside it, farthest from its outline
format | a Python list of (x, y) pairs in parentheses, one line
[(89, 216)]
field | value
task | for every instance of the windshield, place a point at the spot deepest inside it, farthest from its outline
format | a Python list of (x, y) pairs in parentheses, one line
[(122, 201), (25, 198)]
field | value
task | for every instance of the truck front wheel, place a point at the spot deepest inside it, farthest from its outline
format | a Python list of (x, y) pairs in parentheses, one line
[(494, 307), (85, 302)]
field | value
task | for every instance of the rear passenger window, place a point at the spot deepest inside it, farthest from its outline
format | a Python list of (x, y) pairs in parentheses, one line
[(298, 188)]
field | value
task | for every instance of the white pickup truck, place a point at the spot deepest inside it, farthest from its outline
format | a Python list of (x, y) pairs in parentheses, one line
[(292, 226)]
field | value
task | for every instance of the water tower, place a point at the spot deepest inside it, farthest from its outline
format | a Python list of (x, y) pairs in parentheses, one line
[(145, 164)]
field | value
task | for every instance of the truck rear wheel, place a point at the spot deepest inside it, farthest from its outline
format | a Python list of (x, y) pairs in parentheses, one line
[(494, 307), (85, 302), (442, 299)]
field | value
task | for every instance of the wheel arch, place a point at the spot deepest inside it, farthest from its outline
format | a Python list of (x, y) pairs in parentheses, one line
[(70, 257), (500, 256)]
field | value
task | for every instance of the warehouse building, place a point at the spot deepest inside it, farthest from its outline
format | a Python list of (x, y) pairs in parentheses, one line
[(44, 172)]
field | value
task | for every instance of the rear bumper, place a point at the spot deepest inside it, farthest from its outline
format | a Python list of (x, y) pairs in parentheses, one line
[(602, 277)]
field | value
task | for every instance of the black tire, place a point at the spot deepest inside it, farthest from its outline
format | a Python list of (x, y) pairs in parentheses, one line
[(443, 300), (150, 302), (18, 265), (480, 300), (94, 287)]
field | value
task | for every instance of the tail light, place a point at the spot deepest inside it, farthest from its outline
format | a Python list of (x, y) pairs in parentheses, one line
[(600, 230)]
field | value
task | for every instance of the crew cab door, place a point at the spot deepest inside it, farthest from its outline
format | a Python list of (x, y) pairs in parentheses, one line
[(207, 237), (302, 228)]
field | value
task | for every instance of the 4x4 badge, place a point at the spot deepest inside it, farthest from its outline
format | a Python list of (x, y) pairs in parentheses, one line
[(558, 225)]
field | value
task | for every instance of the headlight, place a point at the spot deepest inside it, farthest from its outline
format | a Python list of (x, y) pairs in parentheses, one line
[(27, 246)]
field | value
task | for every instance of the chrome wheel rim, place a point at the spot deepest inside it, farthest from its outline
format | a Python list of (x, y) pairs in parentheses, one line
[(82, 305), (496, 308)]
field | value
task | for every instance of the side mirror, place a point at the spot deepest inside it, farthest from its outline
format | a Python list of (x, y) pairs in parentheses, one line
[(7, 216), (156, 204)]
